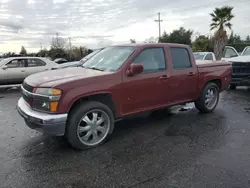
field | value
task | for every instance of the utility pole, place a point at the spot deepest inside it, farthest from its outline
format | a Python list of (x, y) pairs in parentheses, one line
[(57, 39), (41, 49), (70, 48), (159, 22)]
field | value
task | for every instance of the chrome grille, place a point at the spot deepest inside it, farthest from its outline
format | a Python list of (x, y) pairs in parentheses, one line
[(27, 87)]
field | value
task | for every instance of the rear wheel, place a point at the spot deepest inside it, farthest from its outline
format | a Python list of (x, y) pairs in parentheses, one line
[(89, 125), (208, 99)]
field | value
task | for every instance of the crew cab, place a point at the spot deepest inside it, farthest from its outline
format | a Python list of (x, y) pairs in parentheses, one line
[(83, 103)]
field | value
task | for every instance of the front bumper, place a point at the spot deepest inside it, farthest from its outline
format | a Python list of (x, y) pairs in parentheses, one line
[(241, 81), (53, 124)]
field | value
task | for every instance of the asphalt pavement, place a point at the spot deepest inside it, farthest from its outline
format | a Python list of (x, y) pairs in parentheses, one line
[(185, 149)]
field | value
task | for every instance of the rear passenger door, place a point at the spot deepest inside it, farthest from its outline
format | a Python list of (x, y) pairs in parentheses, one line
[(35, 65), (184, 78)]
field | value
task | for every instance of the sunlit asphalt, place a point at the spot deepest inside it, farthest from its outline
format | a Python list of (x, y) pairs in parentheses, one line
[(185, 149)]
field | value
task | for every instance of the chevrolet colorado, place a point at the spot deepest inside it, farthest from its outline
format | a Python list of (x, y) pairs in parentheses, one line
[(83, 103)]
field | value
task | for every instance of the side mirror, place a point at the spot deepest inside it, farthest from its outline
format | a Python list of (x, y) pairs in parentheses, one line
[(134, 69), (4, 67)]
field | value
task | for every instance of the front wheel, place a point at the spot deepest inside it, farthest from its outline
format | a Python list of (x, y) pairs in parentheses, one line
[(208, 99), (89, 125)]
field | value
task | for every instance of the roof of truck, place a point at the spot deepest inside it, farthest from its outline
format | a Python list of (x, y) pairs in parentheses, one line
[(153, 44)]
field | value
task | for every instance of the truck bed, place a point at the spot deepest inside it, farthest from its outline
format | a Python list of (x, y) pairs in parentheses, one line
[(206, 63)]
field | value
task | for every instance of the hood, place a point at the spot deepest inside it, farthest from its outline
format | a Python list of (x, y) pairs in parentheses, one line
[(242, 59), (55, 77)]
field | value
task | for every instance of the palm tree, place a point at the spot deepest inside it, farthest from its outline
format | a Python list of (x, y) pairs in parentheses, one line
[(221, 18)]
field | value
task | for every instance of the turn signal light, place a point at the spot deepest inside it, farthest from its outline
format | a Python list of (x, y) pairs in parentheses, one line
[(53, 106)]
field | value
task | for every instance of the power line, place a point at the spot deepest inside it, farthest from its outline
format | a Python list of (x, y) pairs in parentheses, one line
[(178, 9), (159, 24)]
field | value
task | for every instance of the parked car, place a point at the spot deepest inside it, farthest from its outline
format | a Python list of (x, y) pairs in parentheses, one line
[(14, 70), (60, 60), (84, 103), (78, 63), (240, 64), (204, 56)]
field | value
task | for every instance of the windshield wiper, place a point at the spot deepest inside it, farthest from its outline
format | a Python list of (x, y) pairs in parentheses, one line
[(93, 68)]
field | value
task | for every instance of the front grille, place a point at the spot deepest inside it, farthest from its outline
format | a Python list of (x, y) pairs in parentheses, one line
[(25, 92), (239, 67), (27, 87)]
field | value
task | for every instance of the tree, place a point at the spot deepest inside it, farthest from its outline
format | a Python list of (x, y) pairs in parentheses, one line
[(221, 18), (78, 52), (58, 48), (248, 38), (181, 36), (23, 51), (234, 38), (58, 43), (132, 41), (202, 44)]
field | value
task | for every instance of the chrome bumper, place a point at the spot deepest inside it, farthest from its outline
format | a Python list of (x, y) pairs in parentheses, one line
[(53, 124)]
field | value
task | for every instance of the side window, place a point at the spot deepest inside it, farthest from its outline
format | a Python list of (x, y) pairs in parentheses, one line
[(153, 59), (228, 53), (209, 57), (16, 63), (35, 63), (180, 58)]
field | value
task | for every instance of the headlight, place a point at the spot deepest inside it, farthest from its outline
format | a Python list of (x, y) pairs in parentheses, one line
[(47, 91), (46, 99)]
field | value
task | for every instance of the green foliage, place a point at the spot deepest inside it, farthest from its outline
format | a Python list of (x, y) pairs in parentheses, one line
[(221, 18), (239, 46), (234, 38), (132, 41), (202, 44), (181, 36), (248, 39), (23, 51)]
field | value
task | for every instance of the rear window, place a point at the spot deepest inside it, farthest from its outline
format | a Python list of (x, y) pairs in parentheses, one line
[(180, 58)]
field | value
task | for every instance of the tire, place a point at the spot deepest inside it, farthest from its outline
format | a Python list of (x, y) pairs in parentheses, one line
[(77, 120), (200, 103), (232, 86)]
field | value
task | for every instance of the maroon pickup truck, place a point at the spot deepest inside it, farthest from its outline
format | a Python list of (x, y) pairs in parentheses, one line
[(83, 103)]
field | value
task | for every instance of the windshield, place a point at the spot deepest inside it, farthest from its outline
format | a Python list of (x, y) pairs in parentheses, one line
[(89, 55), (110, 58), (246, 52), (199, 56)]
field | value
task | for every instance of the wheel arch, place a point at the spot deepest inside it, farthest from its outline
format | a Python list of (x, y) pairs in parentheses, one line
[(104, 98), (217, 81)]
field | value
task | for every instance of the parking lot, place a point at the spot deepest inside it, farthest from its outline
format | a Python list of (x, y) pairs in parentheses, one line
[(185, 149)]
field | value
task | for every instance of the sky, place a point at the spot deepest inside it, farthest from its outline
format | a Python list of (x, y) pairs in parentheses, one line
[(98, 23)]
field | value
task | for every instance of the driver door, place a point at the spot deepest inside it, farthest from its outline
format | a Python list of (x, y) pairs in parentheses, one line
[(229, 52), (148, 89)]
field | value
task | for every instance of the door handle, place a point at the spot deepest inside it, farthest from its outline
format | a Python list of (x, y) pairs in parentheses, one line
[(191, 73), (164, 77)]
